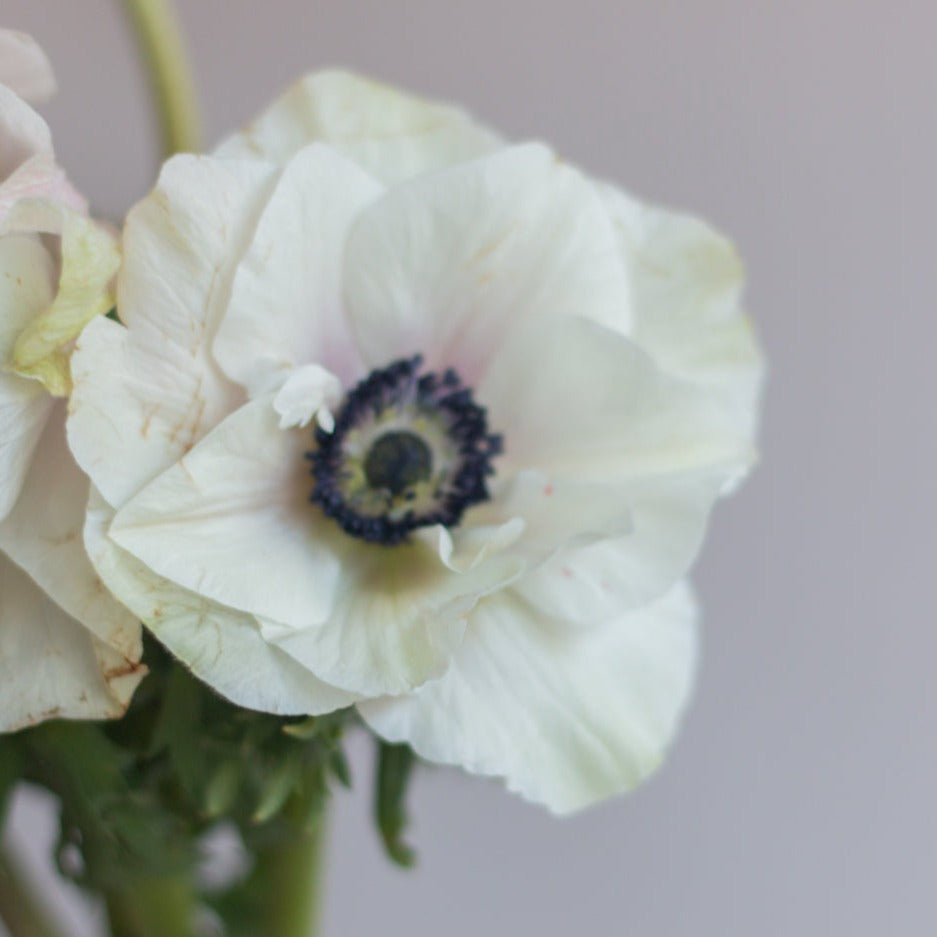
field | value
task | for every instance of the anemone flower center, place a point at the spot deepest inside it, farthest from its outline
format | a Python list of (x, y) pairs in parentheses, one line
[(408, 450)]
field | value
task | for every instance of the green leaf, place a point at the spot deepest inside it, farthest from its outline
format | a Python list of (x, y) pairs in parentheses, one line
[(394, 769)]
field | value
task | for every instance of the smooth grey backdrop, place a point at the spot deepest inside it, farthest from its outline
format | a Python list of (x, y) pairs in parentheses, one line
[(800, 798)]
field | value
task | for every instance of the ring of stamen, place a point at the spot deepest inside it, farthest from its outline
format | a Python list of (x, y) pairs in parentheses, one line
[(407, 450)]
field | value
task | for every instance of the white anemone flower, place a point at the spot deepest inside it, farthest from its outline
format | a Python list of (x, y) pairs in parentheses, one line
[(67, 648), (403, 417)]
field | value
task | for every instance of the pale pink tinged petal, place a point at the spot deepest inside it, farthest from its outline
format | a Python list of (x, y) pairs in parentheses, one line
[(232, 521), (587, 582), (552, 511), (24, 67), (23, 133), (390, 134), (43, 535), (221, 646), (286, 299), (50, 666), (144, 396), (566, 718), (399, 616), (37, 178), (447, 264)]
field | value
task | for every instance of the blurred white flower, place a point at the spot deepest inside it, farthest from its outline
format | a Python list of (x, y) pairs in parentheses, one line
[(66, 647), (24, 68), (528, 391)]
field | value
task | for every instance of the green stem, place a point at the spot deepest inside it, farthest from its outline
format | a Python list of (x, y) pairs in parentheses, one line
[(282, 893), (160, 42), (20, 909), (152, 907)]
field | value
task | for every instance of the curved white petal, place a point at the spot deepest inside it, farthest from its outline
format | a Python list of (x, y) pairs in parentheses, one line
[(232, 521), (309, 391), (579, 401), (286, 299), (89, 260), (50, 666), (687, 281), (587, 582), (23, 132), (143, 396), (27, 277), (445, 265), (26, 274), (399, 616), (390, 134), (566, 718), (24, 409), (221, 646), (43, 535), (24, 67)]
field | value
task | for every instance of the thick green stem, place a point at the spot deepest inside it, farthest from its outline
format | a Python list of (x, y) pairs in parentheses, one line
[(152, 907), (160, 41), (283, 890), (20, 909)]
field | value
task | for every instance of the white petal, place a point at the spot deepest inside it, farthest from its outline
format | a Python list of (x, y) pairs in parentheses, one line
[(26, 275), (22, 131), (24, 408), (579, 401), (687, 281), (43, 535), (146, 395), (627, 454), (399, 616), (24, 67), (586, 582), (392, 135), (221, 646), (50, 666), (566, 718), (232, 522), (89, 260), (447, 264), (308, 391), (27, 280), (286, 300)]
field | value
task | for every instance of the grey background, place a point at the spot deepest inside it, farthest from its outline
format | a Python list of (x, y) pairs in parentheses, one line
[(800, 798)]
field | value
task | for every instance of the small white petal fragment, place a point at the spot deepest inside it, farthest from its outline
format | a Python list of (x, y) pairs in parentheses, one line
[(567, 718), (309, 391)]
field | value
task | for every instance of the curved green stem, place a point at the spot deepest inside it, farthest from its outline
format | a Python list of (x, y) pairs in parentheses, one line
[(160, 41), (20, 909)]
